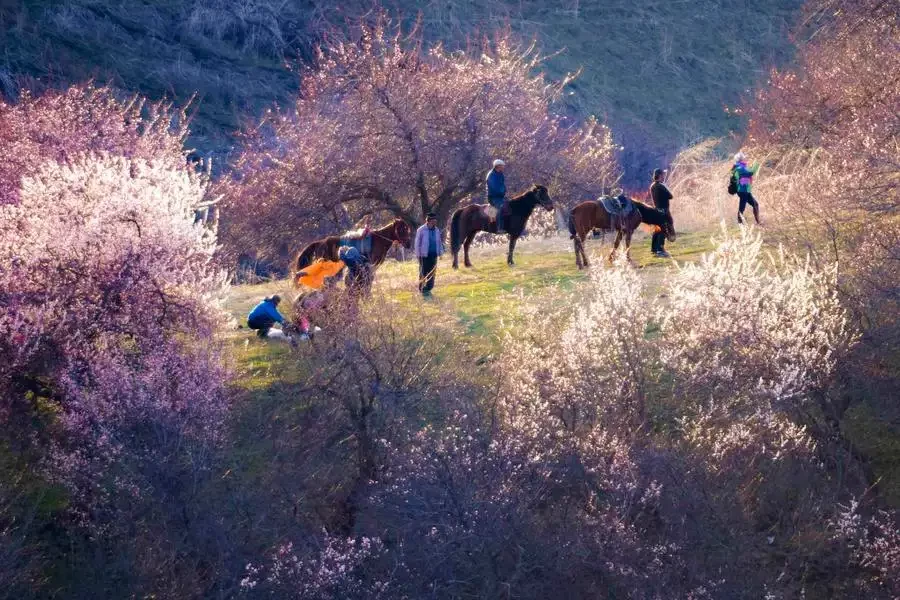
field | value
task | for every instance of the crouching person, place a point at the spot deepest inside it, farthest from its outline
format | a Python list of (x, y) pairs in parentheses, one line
[(264, 315), (308, 306)]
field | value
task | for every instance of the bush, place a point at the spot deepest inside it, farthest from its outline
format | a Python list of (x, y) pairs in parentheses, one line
[(106, 310), (82, 120)]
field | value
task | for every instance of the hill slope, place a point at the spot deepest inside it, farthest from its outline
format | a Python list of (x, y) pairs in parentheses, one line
[(660, 72)]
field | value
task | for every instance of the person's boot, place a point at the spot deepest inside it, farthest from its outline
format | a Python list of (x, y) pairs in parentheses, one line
[(740, 219), (756, 214)]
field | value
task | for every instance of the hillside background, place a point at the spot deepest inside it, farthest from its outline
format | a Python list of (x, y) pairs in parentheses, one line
[(660, 74)]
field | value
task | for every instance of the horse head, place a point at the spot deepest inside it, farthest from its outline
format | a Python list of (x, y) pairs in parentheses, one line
[(542, 196), (402, 233)]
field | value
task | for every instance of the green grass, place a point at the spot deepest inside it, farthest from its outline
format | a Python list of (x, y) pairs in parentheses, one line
[(481, 302)]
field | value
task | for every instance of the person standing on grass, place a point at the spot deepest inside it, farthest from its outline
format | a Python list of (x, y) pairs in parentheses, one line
[(744, 178), (428, 248), (661, 197), (264, 315), (496, 192)]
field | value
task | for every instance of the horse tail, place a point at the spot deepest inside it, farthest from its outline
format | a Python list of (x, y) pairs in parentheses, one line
[(571, 223), (455, 237)]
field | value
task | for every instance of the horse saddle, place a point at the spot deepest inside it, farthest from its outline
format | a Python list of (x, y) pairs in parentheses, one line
[(490, 211), (618, 206), (356, 239)]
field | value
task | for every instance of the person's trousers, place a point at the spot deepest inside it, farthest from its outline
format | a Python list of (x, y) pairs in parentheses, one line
[(747, 198), (658, 241), (500, 206), (427, 268), (261, 325)]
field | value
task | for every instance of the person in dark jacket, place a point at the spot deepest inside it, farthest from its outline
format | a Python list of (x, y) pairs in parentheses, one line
[(428, 248), (264, 315), (661, 197), (496, 192)]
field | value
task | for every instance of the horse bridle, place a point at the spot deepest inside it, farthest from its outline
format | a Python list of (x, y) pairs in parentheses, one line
[(386, 238)]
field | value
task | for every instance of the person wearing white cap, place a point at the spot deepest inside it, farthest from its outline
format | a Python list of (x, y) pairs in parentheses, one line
[(496, 191), (744, 177)]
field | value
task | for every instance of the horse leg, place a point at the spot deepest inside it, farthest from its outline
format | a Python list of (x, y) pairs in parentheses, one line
[(576, 240), (628, 246), (466, 244), (612, 255), (512, 247), (583, 253)]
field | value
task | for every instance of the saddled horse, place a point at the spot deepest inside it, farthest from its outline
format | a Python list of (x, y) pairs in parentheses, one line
[(398, 231), (592, 215), (469, 220)]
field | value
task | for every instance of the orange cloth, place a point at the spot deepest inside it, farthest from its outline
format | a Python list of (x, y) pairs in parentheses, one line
[(315, 274)]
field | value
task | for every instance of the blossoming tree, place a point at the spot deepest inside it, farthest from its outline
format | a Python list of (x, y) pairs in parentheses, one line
[(383, 124)]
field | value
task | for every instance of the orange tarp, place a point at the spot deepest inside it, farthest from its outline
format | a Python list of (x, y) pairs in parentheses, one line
[(315, 274)]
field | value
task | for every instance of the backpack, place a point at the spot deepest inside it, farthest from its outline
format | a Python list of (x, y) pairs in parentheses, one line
[(352, 257), (732, 183)]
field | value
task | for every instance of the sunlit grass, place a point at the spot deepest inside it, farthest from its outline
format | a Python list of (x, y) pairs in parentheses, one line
[(483, 302)]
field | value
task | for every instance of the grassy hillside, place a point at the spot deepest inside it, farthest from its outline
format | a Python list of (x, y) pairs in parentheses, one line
[(661, 72), (479, 306), (480, 303)]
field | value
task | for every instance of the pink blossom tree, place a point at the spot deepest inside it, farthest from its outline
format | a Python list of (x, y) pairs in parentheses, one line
[(84, 119), (383, 124), (107, 312), (341, 568)]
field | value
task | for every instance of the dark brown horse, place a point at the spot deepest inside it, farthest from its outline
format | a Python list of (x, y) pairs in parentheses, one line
[(591, 215), (469, 220), (398, 231)]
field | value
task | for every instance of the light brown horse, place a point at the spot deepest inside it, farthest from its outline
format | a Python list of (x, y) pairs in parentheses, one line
[(591, 215), (398, 231), (469, 220)]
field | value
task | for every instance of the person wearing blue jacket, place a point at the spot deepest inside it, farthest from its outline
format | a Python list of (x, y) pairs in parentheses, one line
[(359, 270), (264, 315), (496, 191)]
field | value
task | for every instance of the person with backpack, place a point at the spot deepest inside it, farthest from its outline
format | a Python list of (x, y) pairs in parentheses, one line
[(496, 192), (359, 273), (264, 315), (661, 197), (428, 248), (741, 183)]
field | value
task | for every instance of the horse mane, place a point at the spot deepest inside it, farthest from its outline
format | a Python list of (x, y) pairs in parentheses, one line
[(394, 222), (532, 190), (359, 231)]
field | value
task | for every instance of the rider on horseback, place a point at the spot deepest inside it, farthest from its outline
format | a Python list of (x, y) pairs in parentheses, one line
[(496, 192)]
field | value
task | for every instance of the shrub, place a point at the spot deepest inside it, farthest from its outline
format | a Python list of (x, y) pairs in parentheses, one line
[(84, 119), (106, 310)]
